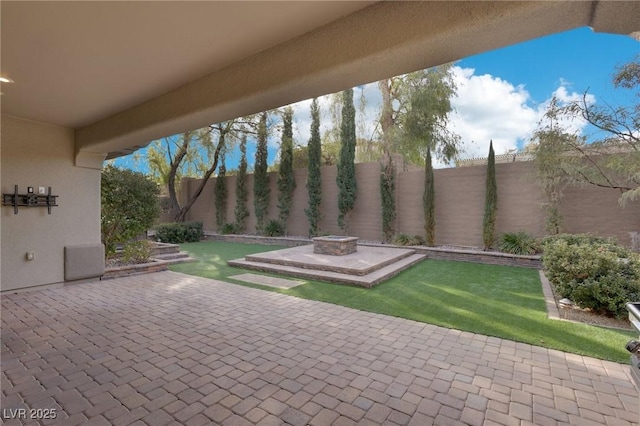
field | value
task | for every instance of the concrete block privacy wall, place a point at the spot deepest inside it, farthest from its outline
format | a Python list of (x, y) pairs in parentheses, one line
[(459, 205)]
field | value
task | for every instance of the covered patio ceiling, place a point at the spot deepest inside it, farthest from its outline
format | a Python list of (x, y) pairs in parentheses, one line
[(124, 73)]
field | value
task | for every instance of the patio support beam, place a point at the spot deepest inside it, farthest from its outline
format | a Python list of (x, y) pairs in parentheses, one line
[(90, 160), (382, 40)]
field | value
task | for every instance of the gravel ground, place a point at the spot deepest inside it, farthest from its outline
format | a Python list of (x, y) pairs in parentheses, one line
[(586, 316)]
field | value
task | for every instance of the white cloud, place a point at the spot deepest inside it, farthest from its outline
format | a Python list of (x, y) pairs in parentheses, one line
[(485, 108), (489, 108), (564, 97)]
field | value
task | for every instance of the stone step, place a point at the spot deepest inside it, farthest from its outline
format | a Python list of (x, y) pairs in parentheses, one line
[(164, 248), (360, 263), (169, 256), (368, 280), (175, 258)]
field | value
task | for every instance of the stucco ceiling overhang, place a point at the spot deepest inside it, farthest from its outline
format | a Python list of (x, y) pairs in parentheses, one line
[(124, 73)]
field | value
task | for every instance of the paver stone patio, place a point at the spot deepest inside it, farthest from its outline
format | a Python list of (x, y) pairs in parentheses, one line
[(167, 348)]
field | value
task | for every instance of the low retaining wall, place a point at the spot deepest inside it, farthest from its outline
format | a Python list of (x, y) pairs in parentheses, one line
[(142, 268), (477, 256), (460, 255), (257, 239)]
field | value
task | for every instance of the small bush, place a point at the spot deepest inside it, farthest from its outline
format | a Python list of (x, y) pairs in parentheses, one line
[(228, 228), (519, 243), (136, 252), (575, 239), (608, 294), (179, 232), (274, 228), (193, 232), (407, 240), (593, 272)]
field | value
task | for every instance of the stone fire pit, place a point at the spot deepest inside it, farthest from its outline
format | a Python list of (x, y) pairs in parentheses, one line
[(335, 245)]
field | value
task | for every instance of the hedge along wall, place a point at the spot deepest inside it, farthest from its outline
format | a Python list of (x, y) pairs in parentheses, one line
[(459, 204)]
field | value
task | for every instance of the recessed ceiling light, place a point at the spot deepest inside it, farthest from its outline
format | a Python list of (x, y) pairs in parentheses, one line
[(5, 80)]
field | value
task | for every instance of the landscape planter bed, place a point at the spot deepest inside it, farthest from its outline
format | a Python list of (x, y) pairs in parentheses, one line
[(440, 253), (135, 269)]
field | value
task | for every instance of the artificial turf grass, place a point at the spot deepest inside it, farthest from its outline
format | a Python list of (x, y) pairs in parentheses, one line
[(500, 301)]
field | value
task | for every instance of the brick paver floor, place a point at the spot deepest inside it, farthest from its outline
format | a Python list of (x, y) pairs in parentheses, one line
[(167, 348)]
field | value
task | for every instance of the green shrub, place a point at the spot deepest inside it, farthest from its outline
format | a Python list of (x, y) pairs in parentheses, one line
[(574, 239), (274, 228), (193, 232), (228, 228), (179, 232), (407, 240), (136, 252), (593, 272), (519, 243), (608, 294), (129, 206)]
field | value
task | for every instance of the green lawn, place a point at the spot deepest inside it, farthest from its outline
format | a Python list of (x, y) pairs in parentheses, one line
[(499, 301)]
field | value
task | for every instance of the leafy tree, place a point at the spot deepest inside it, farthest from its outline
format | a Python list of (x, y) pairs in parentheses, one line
[(425, 130), (220, 194), (429, 202), (261, 178), (241, 211), (129, 206), (314, 181), (549, 148), (387, 195), (612, 160), (286, 179), (194, 153), (490, 201), (413, 118), (332, 137), (389, 129), (426, 118), (329, 153), (346, 178)]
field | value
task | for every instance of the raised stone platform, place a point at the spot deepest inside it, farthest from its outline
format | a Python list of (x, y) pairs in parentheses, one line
[(366, 267)]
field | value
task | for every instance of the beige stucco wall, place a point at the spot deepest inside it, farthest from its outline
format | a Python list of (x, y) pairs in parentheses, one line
[(36, 154), (459, 205)]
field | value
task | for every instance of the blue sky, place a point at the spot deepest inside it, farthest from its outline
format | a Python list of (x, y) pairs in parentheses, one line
[(581, 57), (502, 94)]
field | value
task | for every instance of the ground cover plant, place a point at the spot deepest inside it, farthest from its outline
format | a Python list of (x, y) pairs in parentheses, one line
[(520, 243), (499, 301)]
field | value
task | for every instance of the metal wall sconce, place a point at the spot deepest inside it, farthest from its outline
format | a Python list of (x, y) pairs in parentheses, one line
[(29, 200)]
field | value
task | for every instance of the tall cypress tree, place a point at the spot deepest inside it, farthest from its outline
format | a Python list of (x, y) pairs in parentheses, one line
[(346, 178), (387, 196), (490, 201), (314, 181), (286, 179), (241, 211), (261, 179), (429, 201), (220, 193)]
